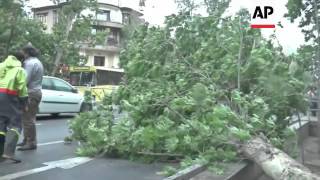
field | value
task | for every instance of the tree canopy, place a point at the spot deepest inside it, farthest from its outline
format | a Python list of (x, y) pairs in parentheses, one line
[(61, 46), (196, 87), (307, 12)]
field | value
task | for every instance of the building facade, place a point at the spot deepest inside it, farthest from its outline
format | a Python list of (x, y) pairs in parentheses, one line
[(109, 18)]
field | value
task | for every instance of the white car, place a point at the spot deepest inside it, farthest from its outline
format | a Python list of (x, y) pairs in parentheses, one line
[(58, 96)]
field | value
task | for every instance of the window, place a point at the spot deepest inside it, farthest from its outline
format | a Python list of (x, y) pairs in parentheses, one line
[(109, 77), (97, 29), (55, 17), (126, 18), (47, 84), (103, 15), (61, 86), (114, 33), (113, 37), (42, 17), (99, 60), (110, 61), (93, 31), (75, 78), (82, 78)]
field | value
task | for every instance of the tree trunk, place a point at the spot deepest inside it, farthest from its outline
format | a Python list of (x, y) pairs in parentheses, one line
[(274, 162), (57, 60), (59, 49)]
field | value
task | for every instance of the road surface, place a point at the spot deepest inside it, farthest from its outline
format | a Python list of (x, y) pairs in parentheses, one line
[(51, 133)]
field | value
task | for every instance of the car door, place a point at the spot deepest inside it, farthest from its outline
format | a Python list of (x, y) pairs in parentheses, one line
[(48, 102), (68, 100)]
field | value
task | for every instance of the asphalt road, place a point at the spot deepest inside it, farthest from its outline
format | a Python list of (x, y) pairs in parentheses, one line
[(51, 133)]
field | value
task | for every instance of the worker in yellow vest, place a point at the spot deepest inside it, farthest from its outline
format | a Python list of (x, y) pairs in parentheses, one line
[(13, 99)]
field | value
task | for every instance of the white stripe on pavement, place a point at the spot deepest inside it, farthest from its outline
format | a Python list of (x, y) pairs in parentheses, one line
[(50, 143), (63, 164), (25, 173)]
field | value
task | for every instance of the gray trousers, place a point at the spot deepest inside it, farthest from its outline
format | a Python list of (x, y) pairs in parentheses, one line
[(29, 118)]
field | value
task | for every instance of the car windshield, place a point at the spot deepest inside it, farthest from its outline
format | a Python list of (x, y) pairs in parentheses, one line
[(82, 78)]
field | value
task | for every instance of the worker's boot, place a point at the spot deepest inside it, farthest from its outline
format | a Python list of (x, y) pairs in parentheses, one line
[(11, 141), (27, 147), (2, 141), (31, 142)]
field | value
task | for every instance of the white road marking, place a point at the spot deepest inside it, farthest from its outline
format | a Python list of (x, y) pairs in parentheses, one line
[(63, 164), (38, 124), (50, 143), (25, 173), (68, 163)]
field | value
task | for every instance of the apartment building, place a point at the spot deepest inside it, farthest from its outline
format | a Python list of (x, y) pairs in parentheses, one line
[(108, 17)]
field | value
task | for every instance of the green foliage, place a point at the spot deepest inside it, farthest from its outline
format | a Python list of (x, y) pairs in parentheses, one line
[(71, 29), (88, 96), (10, 14), (181, 93), (17, 30), (168, 171), (91, 127), (307, 12)]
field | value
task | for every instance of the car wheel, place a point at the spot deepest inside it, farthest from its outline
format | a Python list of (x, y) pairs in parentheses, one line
[(55, 115)]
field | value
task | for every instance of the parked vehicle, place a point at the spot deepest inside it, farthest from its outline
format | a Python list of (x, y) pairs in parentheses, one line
[(98, 80), (58, 96)]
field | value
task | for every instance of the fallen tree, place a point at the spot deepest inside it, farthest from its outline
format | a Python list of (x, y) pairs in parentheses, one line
[(182, 95), (274, 162)]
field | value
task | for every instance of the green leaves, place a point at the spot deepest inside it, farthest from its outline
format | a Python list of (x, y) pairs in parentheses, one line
[(293, 67), (148, 138), (182, 105), (307, 12), (71, 29), (199, 93), (181, 91), (17, 29), (171, 144), (240, 134)]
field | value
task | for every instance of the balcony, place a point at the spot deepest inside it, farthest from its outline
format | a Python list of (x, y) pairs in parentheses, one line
[(112, 41), (107, 24), (110, 46)]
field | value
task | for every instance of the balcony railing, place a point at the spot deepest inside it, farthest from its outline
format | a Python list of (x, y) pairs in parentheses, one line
[(107, 23), (112, 42), (109, 46)]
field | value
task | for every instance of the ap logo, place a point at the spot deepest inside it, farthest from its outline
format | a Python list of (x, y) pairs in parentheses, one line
[(263, 14)]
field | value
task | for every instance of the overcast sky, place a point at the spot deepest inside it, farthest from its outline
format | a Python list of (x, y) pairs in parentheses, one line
[(290, 37)]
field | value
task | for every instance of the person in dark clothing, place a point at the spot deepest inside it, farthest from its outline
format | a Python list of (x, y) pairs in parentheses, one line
[(13, 96)]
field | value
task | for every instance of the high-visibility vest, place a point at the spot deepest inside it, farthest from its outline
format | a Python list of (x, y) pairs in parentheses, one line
[(13, 81)]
